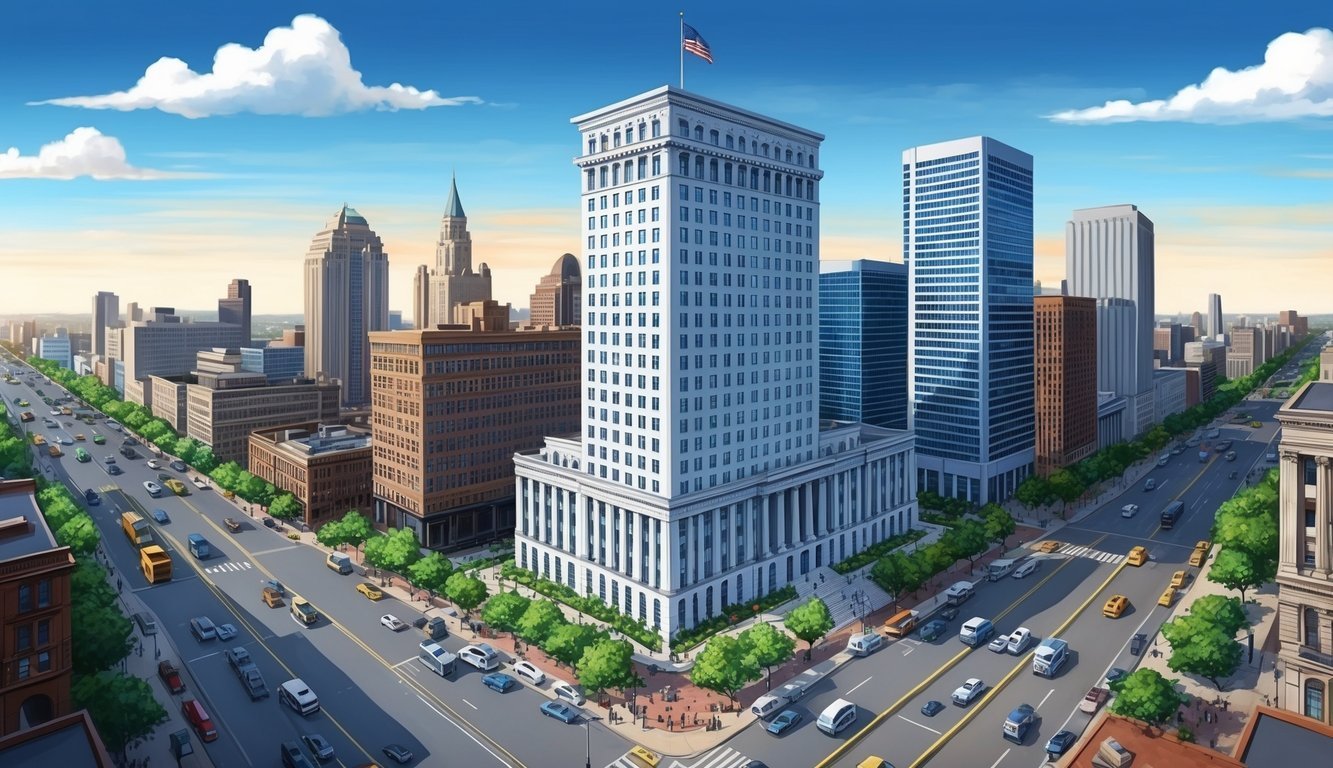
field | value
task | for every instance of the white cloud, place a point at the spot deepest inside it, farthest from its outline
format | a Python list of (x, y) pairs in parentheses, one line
[(304, 69), (84, 152), (1294, 81)]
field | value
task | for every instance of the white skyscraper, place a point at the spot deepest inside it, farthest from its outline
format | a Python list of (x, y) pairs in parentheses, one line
[(346, 297), (702, 477), (967, 241), (1109, 257)]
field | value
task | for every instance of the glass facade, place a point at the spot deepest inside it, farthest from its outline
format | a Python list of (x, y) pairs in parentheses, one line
[(863, 343), (277, 363)]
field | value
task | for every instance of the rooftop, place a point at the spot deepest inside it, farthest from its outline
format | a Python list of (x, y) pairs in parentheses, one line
[(68, 741), (1317, 396), (1277, 739), (23, 529), (1151, 749)]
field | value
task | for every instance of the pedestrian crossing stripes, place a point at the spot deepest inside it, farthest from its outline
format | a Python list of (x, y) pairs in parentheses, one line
[(722, 757), (244, 565), (1092, 554)]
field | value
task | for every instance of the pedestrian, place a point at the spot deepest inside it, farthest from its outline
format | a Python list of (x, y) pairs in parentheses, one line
[(119, 585)]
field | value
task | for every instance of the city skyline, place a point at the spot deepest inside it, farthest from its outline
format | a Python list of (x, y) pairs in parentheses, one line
[(240, 192)]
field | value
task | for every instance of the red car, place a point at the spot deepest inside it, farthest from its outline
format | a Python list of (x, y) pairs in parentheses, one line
[(171, 677)]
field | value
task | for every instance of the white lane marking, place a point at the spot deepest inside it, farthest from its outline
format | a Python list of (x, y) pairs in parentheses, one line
[(404, 661), (1001, 758), (1044, 698), (205, 656), (271, 551), (858, 685), (919, 725), (463, 730), (470, 704)]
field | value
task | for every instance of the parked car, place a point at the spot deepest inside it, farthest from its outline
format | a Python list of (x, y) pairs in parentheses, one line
[(178, 465), (560, 711), (171, 677), (999, 644), (154, 464), (202, 628), (499, 682), (933, 630), (1137, 643), (1060, 743), (393, 623), (226, 632), (784, 722), (371, 591), (529, 671)]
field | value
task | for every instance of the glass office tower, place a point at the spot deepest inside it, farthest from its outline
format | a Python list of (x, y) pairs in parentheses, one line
[(863, 342)]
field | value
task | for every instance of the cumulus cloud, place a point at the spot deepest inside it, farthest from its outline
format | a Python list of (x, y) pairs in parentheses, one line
[(1295, 80), (304, 69), (84, 152)]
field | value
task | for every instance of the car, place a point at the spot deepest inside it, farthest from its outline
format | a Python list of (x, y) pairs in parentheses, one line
[(398, 753), (99, 439), (392, 622), (274, 585), (171, 677), (969, 690), (1049, 546), (114, 469), (529, 671), (784, 722), (318, 746), (371, 591), (1176, 450), (226, 632), (238, 657), (999, 644), (1137, 643), (65, 440), (1129, 510), (1114, 674), (55, 411), (933, 630), (1256, 424), (91, 498), (560, 711), (129, 441), (1179, 579), (1137, 555), (202, 628), (1203, 544), (80, 438), (1027, 568), (499, 682), (109, 460), (154, 464), (1150, 485), (177, 465), (931, 708), (153, 488), (1115, 606), (161, 516), (1060, 743), (948, 613), (1222, 445)]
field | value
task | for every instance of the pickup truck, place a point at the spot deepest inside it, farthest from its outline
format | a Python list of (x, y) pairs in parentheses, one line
[(1093, 699), (232, 524), (171, 677)]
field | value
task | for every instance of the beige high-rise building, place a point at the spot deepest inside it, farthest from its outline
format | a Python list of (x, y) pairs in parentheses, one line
[(346, 298), (1305, 554), (421, 297), (558, 297), (1246, 352), (453, 282), (451, 407)]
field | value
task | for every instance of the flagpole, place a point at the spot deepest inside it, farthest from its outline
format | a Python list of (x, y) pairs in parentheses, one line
[(682, 50)]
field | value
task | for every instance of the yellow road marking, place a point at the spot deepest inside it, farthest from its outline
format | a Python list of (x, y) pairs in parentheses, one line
[(888, 712)]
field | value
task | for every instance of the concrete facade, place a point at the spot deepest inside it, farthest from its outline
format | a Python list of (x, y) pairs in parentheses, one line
[(57, 348), (1110, 419), (1065, 358), (453, 281), (1246, 353), (327, 467), (1170, 393), (421, 297), (558, 298)]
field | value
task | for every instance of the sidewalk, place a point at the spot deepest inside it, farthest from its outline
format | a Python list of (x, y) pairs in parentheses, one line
[(1217, 718), (155, 748)]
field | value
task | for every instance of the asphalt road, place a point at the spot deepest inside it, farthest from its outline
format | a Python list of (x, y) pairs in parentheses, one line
[(371, 688)]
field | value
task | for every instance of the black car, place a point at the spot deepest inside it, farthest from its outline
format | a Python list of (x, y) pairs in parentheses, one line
[(90, 498), (931, 708), (129, 441), (398, 753), (948, 613), (1060, 743), (1137, 643), (178, 465), (114, 469)]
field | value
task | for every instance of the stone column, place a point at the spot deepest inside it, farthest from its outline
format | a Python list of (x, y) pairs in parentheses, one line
[(671, 563), (1322, 507), (780, 500), (653, 555), (762, 544), (1291, 512), (808, 510), (717, 540)]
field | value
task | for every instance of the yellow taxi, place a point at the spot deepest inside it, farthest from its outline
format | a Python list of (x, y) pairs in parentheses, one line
[(1179, 579), (1200, 553), (1168, 597), (1137, 556), (874, 762), (642, 756), (1049, 546), (1203, 544), (1115, 606), (371, 591)]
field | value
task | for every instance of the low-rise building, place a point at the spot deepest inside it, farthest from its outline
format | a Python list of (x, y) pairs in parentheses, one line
[(1111, 414), (1169, 393), (70, 740), (36, 665), (277, 362), (327, 467)]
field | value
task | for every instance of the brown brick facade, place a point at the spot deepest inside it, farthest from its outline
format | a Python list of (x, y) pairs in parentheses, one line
[(1065, 354)]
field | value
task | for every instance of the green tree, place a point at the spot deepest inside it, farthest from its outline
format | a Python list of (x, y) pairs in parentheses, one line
[(1146, 695), (88, 586), (504, 610), (183, 448), (1236, 569), (1201, 648), (357, 528), (608, 664), (1225, 613), (80, 534), (567, 642), (1033, 492), (970, 540), (539, 620), (331, 534), (1157, 438), (401, 549), (285, 507), (1240, 525), (204, 460), (467, 592), (430, 573), (999, 523), (227, 475), (768, 646), (123, 708), (1066, 487), (725, 666), (897, 574), (809, 621), (99, 637)]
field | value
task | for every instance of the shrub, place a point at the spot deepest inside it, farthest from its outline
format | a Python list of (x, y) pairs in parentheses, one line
[(686, 639), (875, 551)]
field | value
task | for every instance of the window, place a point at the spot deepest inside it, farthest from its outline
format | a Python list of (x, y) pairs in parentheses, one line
[(44, 661), (23, 637), (23, 669), (1314, 700), (25, 598), (1310, 623)]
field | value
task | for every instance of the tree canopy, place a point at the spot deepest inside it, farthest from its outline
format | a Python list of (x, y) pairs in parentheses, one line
[(539, 620), (767, 645), (467, 592), (608, 664), (809, 621), (1145, 695), (725, 666), (504, 610)]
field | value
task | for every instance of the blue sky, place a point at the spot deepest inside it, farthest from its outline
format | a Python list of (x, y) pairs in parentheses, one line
[(1242, 194)]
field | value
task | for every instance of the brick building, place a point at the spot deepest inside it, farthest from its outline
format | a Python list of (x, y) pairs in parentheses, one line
[(1066, 380), (326, 467)]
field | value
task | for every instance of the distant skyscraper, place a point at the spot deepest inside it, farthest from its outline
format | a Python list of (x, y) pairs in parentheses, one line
[(236, 308), (1065, 344), (1215, 327), (346, 297), (1196, 320), (421, 297), (557, 298), (863, 342), (970, 349), (106, 311), (57, 348), (453, 282), (1109, 257)]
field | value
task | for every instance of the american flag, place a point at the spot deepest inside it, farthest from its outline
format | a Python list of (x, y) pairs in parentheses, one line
[(696, 44)]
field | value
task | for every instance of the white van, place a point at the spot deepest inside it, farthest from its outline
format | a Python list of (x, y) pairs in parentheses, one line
[(865, 643), (436, 659), (480, 655), (299, 697), (976, 631), (959, 593), (768, 705), (568, 692), (1026, 569), (836, 717)]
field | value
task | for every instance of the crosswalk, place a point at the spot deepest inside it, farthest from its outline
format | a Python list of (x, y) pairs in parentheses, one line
[(722, 757), (1092, 554), (229, 567)]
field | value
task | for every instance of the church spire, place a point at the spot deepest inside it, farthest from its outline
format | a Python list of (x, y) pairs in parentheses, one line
[(453, 208)]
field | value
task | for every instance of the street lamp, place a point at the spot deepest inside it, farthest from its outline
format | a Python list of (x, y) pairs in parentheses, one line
[(587, 731)]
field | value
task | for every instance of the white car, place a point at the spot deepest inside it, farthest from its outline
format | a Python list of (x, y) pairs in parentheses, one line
[(965, 693), (153, 464), (55, 411), (1129, 510), (153, 488), (529, 671), (1026, 569), (392, 622), (480, 655), (1000, 644)]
